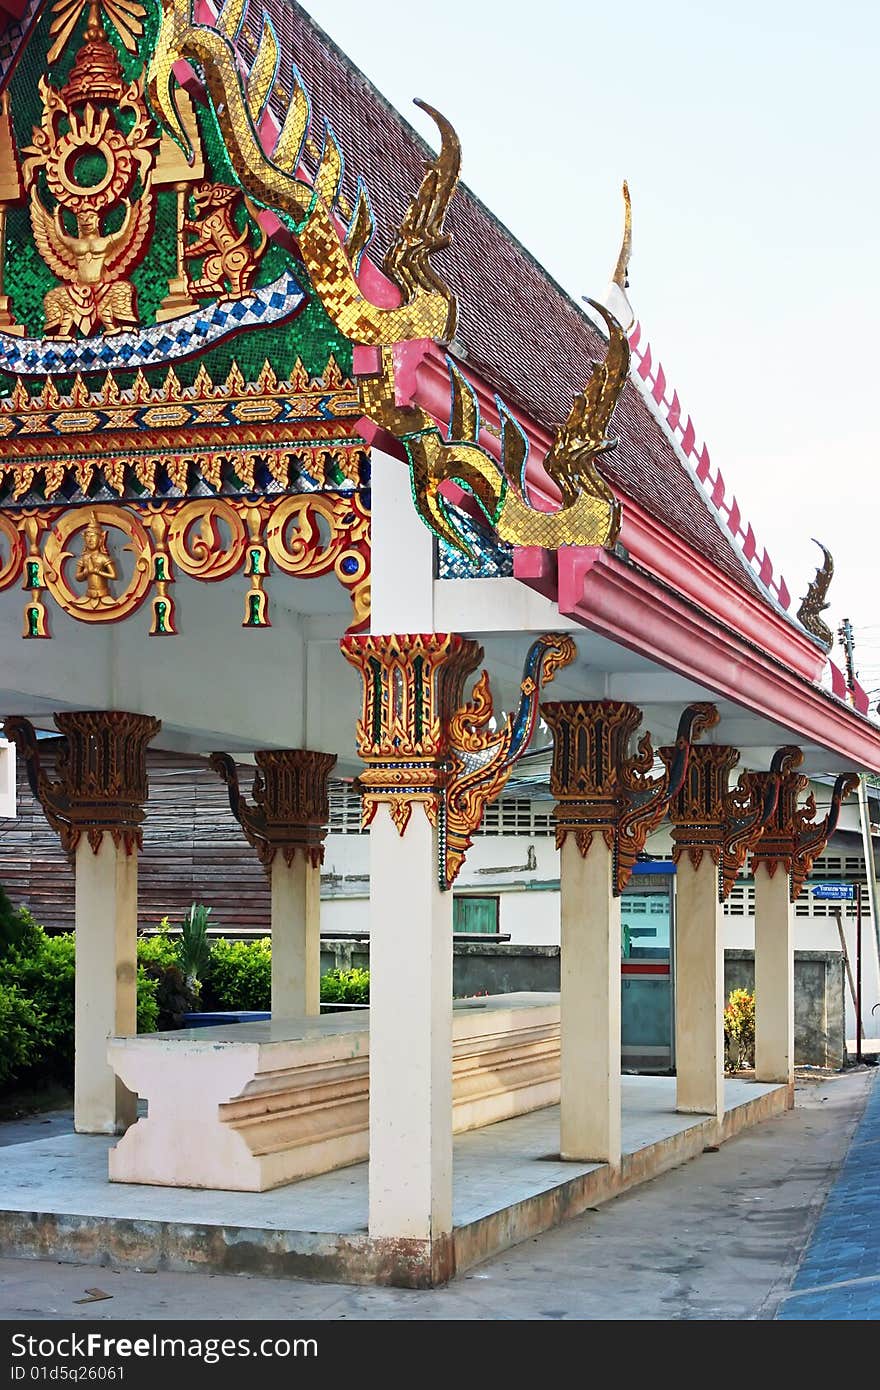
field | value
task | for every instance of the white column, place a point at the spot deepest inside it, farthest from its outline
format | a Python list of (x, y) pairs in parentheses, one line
[(106, 982), (774, 977), (699, 989), (402, 574), (296, 937), (410, 1033), (589, 1005)]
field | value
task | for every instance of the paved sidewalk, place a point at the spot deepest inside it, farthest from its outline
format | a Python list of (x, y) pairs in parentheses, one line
[(735, 1234), (839, 1275)]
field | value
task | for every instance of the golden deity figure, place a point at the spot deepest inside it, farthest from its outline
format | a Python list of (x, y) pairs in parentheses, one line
[(95, 565), (88, 171), (95, 295)]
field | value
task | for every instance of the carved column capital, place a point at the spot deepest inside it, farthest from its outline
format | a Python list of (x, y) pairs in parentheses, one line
[(601, 788), (412, 685), (711, 817), (792, 839), (100, 784), (291, 807)]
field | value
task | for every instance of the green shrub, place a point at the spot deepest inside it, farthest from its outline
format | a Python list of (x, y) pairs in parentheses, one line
[(43, 975), (239, 975), (346, 986), (159, 957), (739, 1030), (160, 948), (147, 1002), (19, 1034)]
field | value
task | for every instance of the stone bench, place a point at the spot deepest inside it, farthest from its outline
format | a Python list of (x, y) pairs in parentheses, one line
[(251, 1106)]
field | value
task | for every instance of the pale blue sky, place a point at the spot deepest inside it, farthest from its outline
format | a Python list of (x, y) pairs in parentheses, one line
[(749, 139)]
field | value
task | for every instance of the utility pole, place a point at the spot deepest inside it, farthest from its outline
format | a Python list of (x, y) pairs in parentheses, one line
[(845, 633)]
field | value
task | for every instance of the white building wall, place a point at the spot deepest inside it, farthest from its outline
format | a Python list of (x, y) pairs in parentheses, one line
[(522, 869)]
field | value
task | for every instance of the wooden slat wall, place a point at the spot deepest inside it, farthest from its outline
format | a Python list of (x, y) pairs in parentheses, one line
[(194, 851)]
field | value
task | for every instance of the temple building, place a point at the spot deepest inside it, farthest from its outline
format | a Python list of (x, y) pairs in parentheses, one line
[(284, 488)]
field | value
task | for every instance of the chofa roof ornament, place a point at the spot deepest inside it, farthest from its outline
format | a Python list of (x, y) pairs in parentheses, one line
[(590, 513), (814, 601), (272, 179)]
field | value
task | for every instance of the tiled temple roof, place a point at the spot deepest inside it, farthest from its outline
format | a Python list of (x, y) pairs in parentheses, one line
[(523, 334)]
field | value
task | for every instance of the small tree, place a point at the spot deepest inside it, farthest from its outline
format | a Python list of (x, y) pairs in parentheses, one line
[(195, 948), (739, 1030)]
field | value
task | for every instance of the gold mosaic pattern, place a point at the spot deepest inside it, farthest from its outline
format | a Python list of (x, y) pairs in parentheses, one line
[(49, 440), (429, 310), (590, 513)]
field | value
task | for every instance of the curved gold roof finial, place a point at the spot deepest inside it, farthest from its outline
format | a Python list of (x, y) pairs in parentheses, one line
[(621, 270)]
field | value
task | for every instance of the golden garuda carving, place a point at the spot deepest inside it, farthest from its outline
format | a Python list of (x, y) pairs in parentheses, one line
[(82, 238), (428, 308)]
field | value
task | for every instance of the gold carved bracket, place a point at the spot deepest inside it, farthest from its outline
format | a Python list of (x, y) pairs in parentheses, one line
[(711, 817), (601, 788), (646, 799), (811, 836), (101, 783), (272, 179), (290, 810), (480, 761)]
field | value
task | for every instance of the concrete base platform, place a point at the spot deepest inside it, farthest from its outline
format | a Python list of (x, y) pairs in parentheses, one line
[(510, 1184)]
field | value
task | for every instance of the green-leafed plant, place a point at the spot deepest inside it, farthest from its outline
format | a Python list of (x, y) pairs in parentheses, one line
[(346, 986), (239, 975), (195, 946), (41, 971), (739, 1030), (159, 957), (19, 1034)]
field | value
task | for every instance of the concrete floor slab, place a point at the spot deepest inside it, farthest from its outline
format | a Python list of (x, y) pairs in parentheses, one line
[(55, 1198)]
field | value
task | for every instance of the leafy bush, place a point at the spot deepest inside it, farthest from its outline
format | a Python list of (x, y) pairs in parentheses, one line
[(40, 970), (346, 986), (739, 1030), (159, 958), (239, 975), (19, 1030), (45, 976)]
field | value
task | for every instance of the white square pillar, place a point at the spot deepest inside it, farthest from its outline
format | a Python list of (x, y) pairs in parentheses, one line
[(699, 989), (589, 1004), (296, 936), (410, 1033), (774, 976), (106, 982)]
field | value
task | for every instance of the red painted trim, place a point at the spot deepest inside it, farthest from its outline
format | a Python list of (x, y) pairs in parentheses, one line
[(599, 591), (631, 967)]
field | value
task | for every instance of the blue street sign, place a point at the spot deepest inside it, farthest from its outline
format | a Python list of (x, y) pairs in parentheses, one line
[(832, 890)]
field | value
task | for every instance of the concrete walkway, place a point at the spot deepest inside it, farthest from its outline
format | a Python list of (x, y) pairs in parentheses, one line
[(736, 1234)]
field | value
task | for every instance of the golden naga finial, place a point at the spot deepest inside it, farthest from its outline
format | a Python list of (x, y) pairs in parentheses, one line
[(621, 275), (428, 309), (813, 602), (590, 513)]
